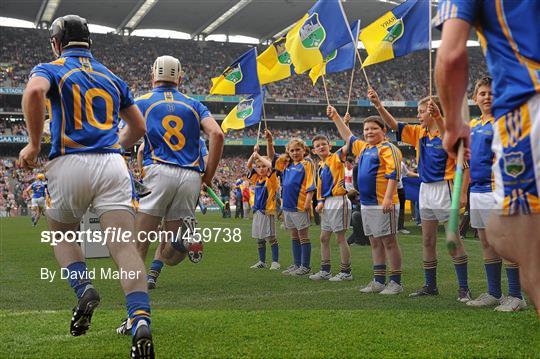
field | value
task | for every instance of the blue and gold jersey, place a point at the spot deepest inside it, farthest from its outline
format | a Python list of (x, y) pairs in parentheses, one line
[(511, 41), (265, 192), (173, 125), (434, 165), (331, 177), (481, 155), (377, 164), (85, 101), (38, 189), (297, 180), (203, 154)]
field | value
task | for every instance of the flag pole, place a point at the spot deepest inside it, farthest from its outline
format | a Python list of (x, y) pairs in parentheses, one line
[(430, 57), (259, 133), (350, 87), (325, 90), (264, 110)]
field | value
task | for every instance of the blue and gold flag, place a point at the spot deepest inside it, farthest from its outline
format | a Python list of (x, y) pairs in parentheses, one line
[(274, 64), (248, 112), (240, 78)]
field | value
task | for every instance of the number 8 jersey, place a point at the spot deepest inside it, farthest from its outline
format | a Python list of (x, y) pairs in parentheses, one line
[(85, 100), (173, 125)]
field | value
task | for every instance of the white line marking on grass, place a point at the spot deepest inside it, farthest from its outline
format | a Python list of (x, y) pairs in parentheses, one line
[(30, 312)]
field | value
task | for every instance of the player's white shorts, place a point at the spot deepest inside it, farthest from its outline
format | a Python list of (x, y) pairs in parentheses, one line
[(175, 191), (435, 200), (38, 202), (379, 224), (516, 144), (481, 206), (336, 215), (263, 226), (77, 181), (296, 220)]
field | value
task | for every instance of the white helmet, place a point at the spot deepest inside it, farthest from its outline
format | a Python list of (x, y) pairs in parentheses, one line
[(167, 68)]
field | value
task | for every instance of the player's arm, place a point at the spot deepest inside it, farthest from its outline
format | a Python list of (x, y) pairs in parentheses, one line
[(27, 190), (135, 129), (251, 160), (342, 128), (451, 75), (389, 195), (383, 112), (215, 148), (263, 160), (435, 114), (270, 150), (33, 106)]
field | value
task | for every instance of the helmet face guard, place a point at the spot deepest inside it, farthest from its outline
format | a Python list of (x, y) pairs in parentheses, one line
[(69, 30)]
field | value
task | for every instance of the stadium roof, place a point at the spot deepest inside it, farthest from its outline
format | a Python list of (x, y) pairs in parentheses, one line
[(260, 19)]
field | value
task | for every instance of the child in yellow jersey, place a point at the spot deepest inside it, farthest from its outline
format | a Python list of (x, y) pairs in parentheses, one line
[(379, 164), (334, 207), (436, 171), (264, 208), (298, 186)]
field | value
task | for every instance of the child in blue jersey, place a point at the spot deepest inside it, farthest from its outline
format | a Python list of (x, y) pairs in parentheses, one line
[(297, 190), (436, 171), (263, 229), (334, 207), (379, 164), (482, 203), (38, 189)]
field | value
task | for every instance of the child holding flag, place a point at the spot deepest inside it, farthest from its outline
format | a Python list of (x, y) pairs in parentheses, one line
[(379, 164)]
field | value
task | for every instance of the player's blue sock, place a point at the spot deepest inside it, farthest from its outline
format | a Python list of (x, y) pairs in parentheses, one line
[(514, 286), (430, 273), (297, 252), (345, 268), (493, 276), (395, 275), (306, 254), (138, 307), (460, 264), (379, 273), (155, 269), (325, 266), (77, 274), (262, 252), (275, 252)]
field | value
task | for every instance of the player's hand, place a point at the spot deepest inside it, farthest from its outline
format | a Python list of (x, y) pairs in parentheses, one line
[(332, 113), (347, 118), (319, 207), (268, 135), (463, 200), (433, 110), (28, 156), (387, 205), (206, 181), (307, 206), (373, 97), (256, 148), (453, 135)]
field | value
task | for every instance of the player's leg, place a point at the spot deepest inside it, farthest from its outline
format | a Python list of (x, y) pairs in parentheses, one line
[(305, 245), (378, 256), (345, 258), (429, 256), (514, 301), (156, 266), (295, 243), (261, 249), (393, 253), (259, 232), (144, 224), (274, 248), (324, 273)]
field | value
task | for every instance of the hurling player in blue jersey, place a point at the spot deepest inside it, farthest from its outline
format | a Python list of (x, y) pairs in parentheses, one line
[(38, 188), (173, 163), (86, 168), (512, 47)]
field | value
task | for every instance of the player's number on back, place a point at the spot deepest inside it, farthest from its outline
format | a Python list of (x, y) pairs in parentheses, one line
[(90, 96), (173, 137)]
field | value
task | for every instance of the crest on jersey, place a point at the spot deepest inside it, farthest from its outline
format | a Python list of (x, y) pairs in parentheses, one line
[(282, 54), (244, 109), (312, 33), (233, 74), (514, 164), (395, 32)]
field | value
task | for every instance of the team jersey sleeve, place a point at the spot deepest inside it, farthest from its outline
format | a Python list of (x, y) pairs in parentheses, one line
[(408, 133), (456, 9), (41, 70), (203, 111), (391, 157), (356, 146), (126, 98), (204, 149), (309, 167)]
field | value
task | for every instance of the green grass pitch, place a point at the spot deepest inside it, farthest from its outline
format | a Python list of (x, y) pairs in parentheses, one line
[(221, 308)]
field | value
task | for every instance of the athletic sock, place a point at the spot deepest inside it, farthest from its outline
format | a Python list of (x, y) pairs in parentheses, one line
[(345, 268), (460, 264), (325, 266), (493, 276), (275, 252), (155, 269), (297, 252), (306, 253), (77, 274), (138, 307), (379, 273), (395, 275), (262, 252), (514, 286), (430, 273)]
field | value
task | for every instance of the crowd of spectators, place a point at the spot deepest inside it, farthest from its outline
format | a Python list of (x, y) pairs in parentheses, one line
[(131, 58), (8, 128)]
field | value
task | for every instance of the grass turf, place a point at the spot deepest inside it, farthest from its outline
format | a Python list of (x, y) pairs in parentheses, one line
[(221, 308)]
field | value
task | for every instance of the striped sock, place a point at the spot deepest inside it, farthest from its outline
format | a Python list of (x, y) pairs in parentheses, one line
[(138, 307), (379, 273), (297, 252), (306, 252), (460, 264), (77, 275), (155, 269), (325, 266), (275, 252), (395, 275), (262, 252), (493, 276), (430, 273), (345, 268), (514, 286)]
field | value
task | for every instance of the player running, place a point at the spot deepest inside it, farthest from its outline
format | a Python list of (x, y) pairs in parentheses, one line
[(86, 168), (38, 188)]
